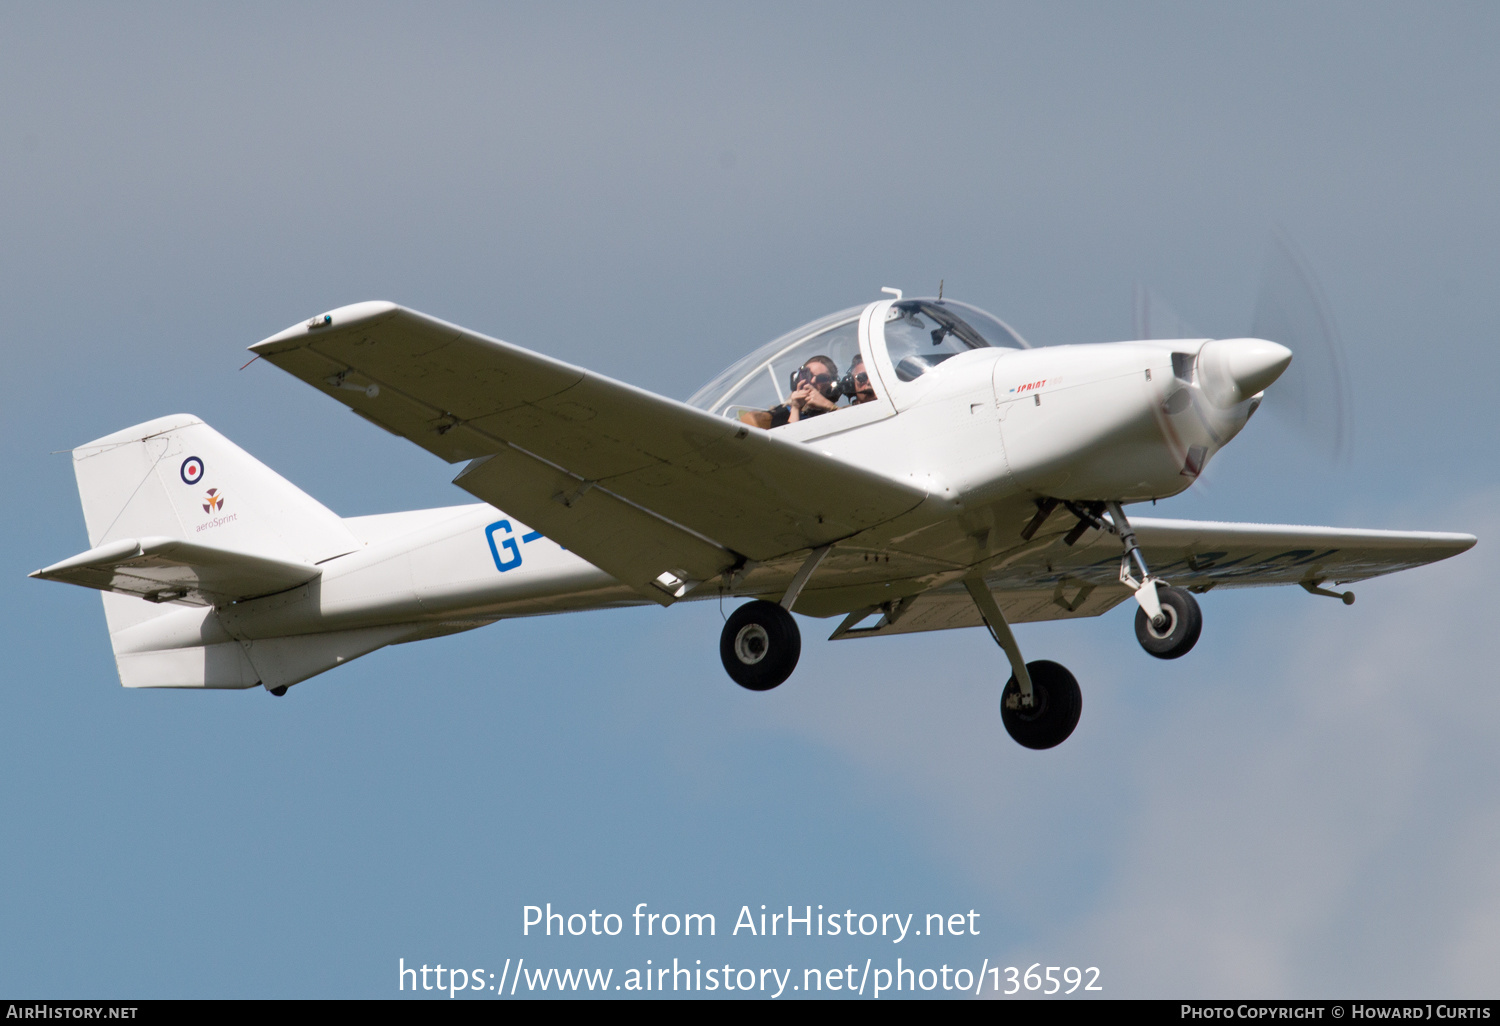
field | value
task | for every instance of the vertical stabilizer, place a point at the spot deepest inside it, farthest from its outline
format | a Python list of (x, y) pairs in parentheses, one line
[(179, 478), (176, 477)]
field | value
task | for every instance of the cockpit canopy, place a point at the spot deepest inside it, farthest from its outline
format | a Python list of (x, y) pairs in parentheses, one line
[(922, 333), (918, 335)]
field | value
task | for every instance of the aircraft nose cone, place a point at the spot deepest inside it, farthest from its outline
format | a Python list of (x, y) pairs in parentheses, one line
[(1231, 370)]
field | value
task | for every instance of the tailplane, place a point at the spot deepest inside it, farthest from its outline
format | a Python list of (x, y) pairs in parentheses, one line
[(181, 521)]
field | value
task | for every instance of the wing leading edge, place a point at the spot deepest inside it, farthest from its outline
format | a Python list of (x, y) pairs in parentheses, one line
[(650, 490)]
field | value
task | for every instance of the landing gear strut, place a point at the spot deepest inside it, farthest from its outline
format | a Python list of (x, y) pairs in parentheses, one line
[(1041, 702), (760, 644), (1168, 623)]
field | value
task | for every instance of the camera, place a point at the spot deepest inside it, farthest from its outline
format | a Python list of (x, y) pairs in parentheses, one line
[(831, 386)]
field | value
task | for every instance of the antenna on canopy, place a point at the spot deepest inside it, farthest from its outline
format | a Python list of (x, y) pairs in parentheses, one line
[(940, 288), (894, 292)]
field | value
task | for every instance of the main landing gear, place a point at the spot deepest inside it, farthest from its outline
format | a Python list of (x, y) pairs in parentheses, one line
[(1054, 710), (1041, 702), (760, 643)]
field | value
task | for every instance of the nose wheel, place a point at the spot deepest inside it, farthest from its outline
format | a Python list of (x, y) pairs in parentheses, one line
[(1178, 633), (760, 645), (1168, 622)]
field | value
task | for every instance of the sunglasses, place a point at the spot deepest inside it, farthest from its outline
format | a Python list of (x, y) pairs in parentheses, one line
[(816, 379)]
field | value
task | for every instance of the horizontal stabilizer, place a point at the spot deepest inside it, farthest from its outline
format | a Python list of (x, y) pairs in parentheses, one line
[(171, 570)]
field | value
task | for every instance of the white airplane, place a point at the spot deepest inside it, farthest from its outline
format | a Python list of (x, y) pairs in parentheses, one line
[(909, 465)]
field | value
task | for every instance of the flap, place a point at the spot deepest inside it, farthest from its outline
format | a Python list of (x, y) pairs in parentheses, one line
[(950, 606), (461, 396), (169, 570), (659, 559)]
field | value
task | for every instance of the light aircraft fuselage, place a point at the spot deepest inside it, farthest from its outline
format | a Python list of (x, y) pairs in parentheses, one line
[(928, 470)]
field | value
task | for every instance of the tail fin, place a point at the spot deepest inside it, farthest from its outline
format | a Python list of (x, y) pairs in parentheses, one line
[(176, 477)]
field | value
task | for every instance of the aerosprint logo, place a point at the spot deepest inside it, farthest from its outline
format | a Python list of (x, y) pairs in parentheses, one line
[(192, 470), (213, 501)]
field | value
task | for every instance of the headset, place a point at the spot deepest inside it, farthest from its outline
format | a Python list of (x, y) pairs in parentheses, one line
[(835, 387), (831, 386), (847, 383)]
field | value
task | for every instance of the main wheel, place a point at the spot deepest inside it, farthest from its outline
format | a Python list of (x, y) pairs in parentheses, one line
[(760, 645), (1056, 706), (1180, 633)]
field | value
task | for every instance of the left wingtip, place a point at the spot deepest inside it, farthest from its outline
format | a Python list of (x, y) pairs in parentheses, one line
[(342, 317)]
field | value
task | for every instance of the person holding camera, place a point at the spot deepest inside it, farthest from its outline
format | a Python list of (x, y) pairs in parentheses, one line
[(815, 389)]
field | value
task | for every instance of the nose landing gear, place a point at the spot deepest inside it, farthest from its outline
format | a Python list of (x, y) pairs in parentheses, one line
[(1168, 622), (1179, 633)]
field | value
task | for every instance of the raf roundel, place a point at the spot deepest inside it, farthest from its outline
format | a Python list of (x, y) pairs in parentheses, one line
[(192, 470)]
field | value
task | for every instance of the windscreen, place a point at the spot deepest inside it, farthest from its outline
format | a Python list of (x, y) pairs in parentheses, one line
[(922, 333)]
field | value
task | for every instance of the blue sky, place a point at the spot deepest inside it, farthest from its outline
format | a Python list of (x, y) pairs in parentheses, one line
[(1303, 807)]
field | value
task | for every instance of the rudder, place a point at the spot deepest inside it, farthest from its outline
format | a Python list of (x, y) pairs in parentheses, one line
[(177, 477)]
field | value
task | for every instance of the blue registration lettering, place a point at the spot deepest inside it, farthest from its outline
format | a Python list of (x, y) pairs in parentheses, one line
[(507, 543)]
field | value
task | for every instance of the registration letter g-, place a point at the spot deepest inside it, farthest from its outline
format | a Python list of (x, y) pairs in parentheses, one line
[(513, 559)]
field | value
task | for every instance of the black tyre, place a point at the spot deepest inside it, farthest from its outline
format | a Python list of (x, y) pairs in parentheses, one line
[(1057, 704), (1180, 633), (760, 645)]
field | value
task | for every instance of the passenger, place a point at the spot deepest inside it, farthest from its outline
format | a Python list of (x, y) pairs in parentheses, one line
[(815, 390), (859, 379)]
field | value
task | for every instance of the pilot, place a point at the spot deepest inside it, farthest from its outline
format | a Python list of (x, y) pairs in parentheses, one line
[(859, 379), (816, 390)]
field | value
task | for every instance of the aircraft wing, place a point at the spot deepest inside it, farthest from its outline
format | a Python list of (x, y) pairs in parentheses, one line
[(654, 492), (170, 570), (1049, 579), (1207, 554)]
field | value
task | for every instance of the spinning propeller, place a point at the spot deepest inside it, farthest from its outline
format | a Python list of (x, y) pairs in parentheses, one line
[(1312, 397)]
